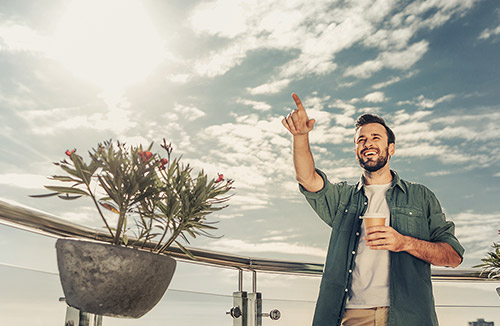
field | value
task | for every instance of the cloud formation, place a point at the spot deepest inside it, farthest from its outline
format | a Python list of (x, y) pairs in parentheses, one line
[(317, 32), (245, 247), (490, 32)]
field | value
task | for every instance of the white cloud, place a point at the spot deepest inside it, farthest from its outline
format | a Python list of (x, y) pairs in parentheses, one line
[(286, 26), (241, 246), (452, 141), (489, 32), (375, 97), (213, 18), (394, 80), (15, 37), (475, 231), (402, 116), (426, 150), (401, 60), (245, 203), (53, 121), (255, 153), (387, 39), (423, 102), (314, 32), (189, 113), (24, 180), (228, 216), (182, 78), (259, 106), (270, 88), (219, 62), (439, 173)]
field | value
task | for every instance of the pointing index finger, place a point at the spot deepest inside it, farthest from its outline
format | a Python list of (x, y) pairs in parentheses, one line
[(298, 102)]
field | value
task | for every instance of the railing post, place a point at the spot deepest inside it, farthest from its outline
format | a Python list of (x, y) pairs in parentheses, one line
[(254, 281), (247, 307), (254, 304), (240, 280), (75, 317), (239, 311)]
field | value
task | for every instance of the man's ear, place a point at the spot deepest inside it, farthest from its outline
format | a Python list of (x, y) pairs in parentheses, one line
[(392, 149)]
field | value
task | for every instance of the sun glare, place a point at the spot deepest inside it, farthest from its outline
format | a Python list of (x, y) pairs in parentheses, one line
[(110, 43)]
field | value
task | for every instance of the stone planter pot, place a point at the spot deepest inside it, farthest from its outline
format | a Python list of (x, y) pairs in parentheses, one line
[(112, 280)]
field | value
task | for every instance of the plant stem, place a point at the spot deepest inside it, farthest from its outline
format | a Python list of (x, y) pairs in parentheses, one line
[(99, 210), (119, 227), (172, 238)]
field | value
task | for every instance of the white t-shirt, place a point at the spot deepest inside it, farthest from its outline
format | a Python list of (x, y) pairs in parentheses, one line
[(370, 279)]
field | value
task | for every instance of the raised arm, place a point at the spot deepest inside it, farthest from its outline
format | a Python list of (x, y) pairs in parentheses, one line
[(299, 125)]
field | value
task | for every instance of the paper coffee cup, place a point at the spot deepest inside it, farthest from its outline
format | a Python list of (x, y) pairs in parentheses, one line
[(370, 220)]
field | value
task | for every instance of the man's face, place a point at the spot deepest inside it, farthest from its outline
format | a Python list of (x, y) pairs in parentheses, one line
[(371, 147)]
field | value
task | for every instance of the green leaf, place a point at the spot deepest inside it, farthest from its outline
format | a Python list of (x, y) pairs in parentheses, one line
[(68, 197), (64, 178), (185, 250), (71, 171), (67, 190), (44, 195)]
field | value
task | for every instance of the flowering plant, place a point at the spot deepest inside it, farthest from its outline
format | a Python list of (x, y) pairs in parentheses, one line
[(161, 195), (491, 263)]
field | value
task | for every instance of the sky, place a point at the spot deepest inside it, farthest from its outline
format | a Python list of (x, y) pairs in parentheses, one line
[(215, 79)]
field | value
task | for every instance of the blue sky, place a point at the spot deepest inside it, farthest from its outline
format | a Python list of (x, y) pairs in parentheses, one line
[(215, 78)]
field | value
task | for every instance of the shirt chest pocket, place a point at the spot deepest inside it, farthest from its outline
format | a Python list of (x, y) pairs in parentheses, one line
[(349, 216), (410, 221)]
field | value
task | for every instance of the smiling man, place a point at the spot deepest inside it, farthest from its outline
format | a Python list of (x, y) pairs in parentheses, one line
[(378, 276)]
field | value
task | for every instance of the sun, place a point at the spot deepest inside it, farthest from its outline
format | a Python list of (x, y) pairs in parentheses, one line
[(110, 43)]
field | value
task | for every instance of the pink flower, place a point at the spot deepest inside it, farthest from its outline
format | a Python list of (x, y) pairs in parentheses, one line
[(145, 155), (163, 162), (221, 178), (69, 153)]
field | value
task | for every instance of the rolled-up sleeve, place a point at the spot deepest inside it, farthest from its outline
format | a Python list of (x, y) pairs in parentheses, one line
[(325, 201), (441, 230)]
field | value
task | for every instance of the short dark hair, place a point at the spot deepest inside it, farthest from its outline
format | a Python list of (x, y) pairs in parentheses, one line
[(372, 118)]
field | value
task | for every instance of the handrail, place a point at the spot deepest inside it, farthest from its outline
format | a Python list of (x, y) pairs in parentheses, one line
[(29, 219)]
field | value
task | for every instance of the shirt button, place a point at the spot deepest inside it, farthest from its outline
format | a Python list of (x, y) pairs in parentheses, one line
[(411, 213), (353, 252), (357, 234), (350, 271), (346, 211), (366, 203), (347, 290)]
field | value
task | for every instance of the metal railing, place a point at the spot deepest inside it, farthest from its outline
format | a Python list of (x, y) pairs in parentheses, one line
[(36, 221)]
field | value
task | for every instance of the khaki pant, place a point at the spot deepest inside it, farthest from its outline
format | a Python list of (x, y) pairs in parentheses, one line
[(366, 317)]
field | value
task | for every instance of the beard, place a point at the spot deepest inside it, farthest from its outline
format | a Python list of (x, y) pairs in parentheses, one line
[(372, 166)]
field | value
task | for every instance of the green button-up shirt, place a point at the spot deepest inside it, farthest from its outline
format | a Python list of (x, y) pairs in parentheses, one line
[(416, 212)]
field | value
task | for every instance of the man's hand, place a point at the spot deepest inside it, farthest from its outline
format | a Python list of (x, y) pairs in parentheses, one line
[(435, 253), (297, 122), (385, 238), (299, 126)]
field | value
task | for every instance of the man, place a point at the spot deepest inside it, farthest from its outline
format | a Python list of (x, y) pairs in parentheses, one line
[(382, 277)]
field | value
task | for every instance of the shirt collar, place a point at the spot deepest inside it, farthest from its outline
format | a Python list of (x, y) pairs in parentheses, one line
[(396, 181)]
